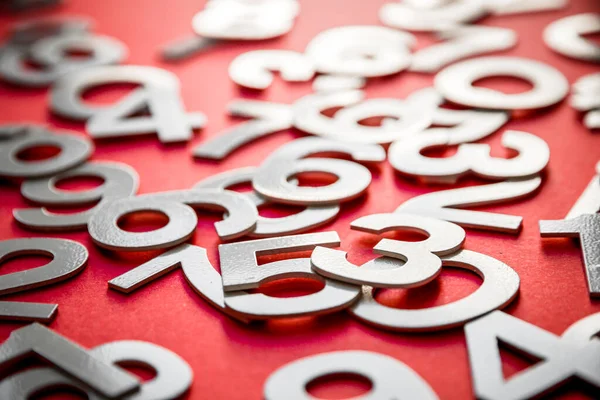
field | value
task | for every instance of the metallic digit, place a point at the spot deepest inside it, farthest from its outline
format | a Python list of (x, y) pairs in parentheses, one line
[(241, 271), (272, 178), (361, 50), (309, 218), (391, 378), (174, 376), (406, 158), (421, 262), (76, 361), (268, 119), (177, 205), (446, 204), (105, 232), (160, 94), (455, 83), (68, 259), (563, 358), (462, 42), (165, 107), (335, 296), (74, 150), (120, 180), (587, 228), (500, 286), (565, 36), (253, 69)]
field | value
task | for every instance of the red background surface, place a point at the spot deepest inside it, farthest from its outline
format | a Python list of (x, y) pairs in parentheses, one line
[(231, 360)]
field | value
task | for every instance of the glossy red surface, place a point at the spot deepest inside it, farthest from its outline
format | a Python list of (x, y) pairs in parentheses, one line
[(231, 360)]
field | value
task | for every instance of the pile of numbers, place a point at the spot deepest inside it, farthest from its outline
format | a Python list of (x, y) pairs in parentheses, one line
[(340, 62)]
